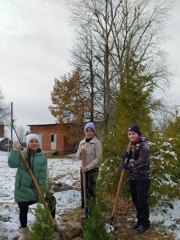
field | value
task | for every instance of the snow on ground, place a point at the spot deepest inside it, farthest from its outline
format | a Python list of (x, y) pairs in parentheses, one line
[(168, 214), (65, 170)]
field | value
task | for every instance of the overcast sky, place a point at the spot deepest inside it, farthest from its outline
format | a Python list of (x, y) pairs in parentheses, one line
[(35, 43)]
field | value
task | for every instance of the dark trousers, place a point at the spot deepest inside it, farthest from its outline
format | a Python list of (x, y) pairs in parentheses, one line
[(24, 207), (139, 194), (91, 177)]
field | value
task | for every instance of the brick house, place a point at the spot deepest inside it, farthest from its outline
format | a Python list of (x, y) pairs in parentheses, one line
[(52, 138)]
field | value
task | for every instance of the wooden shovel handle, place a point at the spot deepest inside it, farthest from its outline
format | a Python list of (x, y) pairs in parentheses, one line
[(120, 183), (84, 183)]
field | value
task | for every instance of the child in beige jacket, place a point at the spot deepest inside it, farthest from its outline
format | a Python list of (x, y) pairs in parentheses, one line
[(90, 151)]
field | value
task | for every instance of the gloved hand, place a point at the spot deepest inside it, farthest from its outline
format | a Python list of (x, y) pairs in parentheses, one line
[(16, 145), (125, 166), (126, 155)]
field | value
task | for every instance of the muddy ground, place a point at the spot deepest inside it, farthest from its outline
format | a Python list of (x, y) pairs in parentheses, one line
[(124, 218)]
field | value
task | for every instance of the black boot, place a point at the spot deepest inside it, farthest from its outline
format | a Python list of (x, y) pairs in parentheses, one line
[(136, 225), (142, 229)]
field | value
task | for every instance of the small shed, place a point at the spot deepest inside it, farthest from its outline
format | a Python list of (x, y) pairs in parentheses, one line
[(52, 138), (5, 144)]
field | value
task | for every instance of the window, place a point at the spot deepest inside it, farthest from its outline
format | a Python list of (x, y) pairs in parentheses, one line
[(52, 138)]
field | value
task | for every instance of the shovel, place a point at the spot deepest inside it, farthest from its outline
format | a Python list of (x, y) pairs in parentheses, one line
[(110, 226), (40, 194), (84, 181)]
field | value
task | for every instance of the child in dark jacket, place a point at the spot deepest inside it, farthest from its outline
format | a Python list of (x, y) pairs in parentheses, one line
[(140, 176)]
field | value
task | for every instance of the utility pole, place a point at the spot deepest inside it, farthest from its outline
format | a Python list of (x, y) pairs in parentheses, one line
[(12, 122)]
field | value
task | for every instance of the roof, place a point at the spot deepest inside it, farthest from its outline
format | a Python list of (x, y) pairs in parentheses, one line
[(41, 125), (4, 138)]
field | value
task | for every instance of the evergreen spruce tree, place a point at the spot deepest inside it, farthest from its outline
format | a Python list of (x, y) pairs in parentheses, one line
[(165, 168), (43, 228), (134, 105), (173, 133), (95, 226)]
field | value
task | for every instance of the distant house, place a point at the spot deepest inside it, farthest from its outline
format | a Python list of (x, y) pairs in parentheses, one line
[(52, 138)]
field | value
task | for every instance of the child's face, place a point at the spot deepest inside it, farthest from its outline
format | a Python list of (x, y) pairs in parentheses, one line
[(33, 144), (89, 133), (132, 136)]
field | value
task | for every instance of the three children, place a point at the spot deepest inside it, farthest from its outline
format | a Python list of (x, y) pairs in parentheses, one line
[(90, 151)]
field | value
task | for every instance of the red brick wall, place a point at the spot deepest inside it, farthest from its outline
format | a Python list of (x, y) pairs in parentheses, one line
[(46, 131), (1, 130)]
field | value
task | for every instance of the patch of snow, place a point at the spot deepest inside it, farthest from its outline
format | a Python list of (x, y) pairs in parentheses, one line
[(65, 170), (168, 214)]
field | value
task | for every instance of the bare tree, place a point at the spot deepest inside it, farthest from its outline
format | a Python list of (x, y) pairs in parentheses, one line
[(21, 133), (121, 31), (4, 110), (83, 58)]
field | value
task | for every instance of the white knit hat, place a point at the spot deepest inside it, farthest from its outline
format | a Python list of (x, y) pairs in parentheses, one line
[(30, 137)]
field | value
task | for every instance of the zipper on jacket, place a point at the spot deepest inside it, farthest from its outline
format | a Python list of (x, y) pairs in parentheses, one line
[(32, 168)]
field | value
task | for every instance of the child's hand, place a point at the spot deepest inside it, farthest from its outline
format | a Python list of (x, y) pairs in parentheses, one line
[(84, 169), (126, 155), (125, 166), (16, 145), (83, 153)]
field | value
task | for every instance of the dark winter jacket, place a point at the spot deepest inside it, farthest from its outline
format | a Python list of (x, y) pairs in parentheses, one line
[(139, 161), (24, 187)]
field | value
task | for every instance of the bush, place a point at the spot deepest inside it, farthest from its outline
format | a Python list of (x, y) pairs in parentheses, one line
[(165, 168)]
